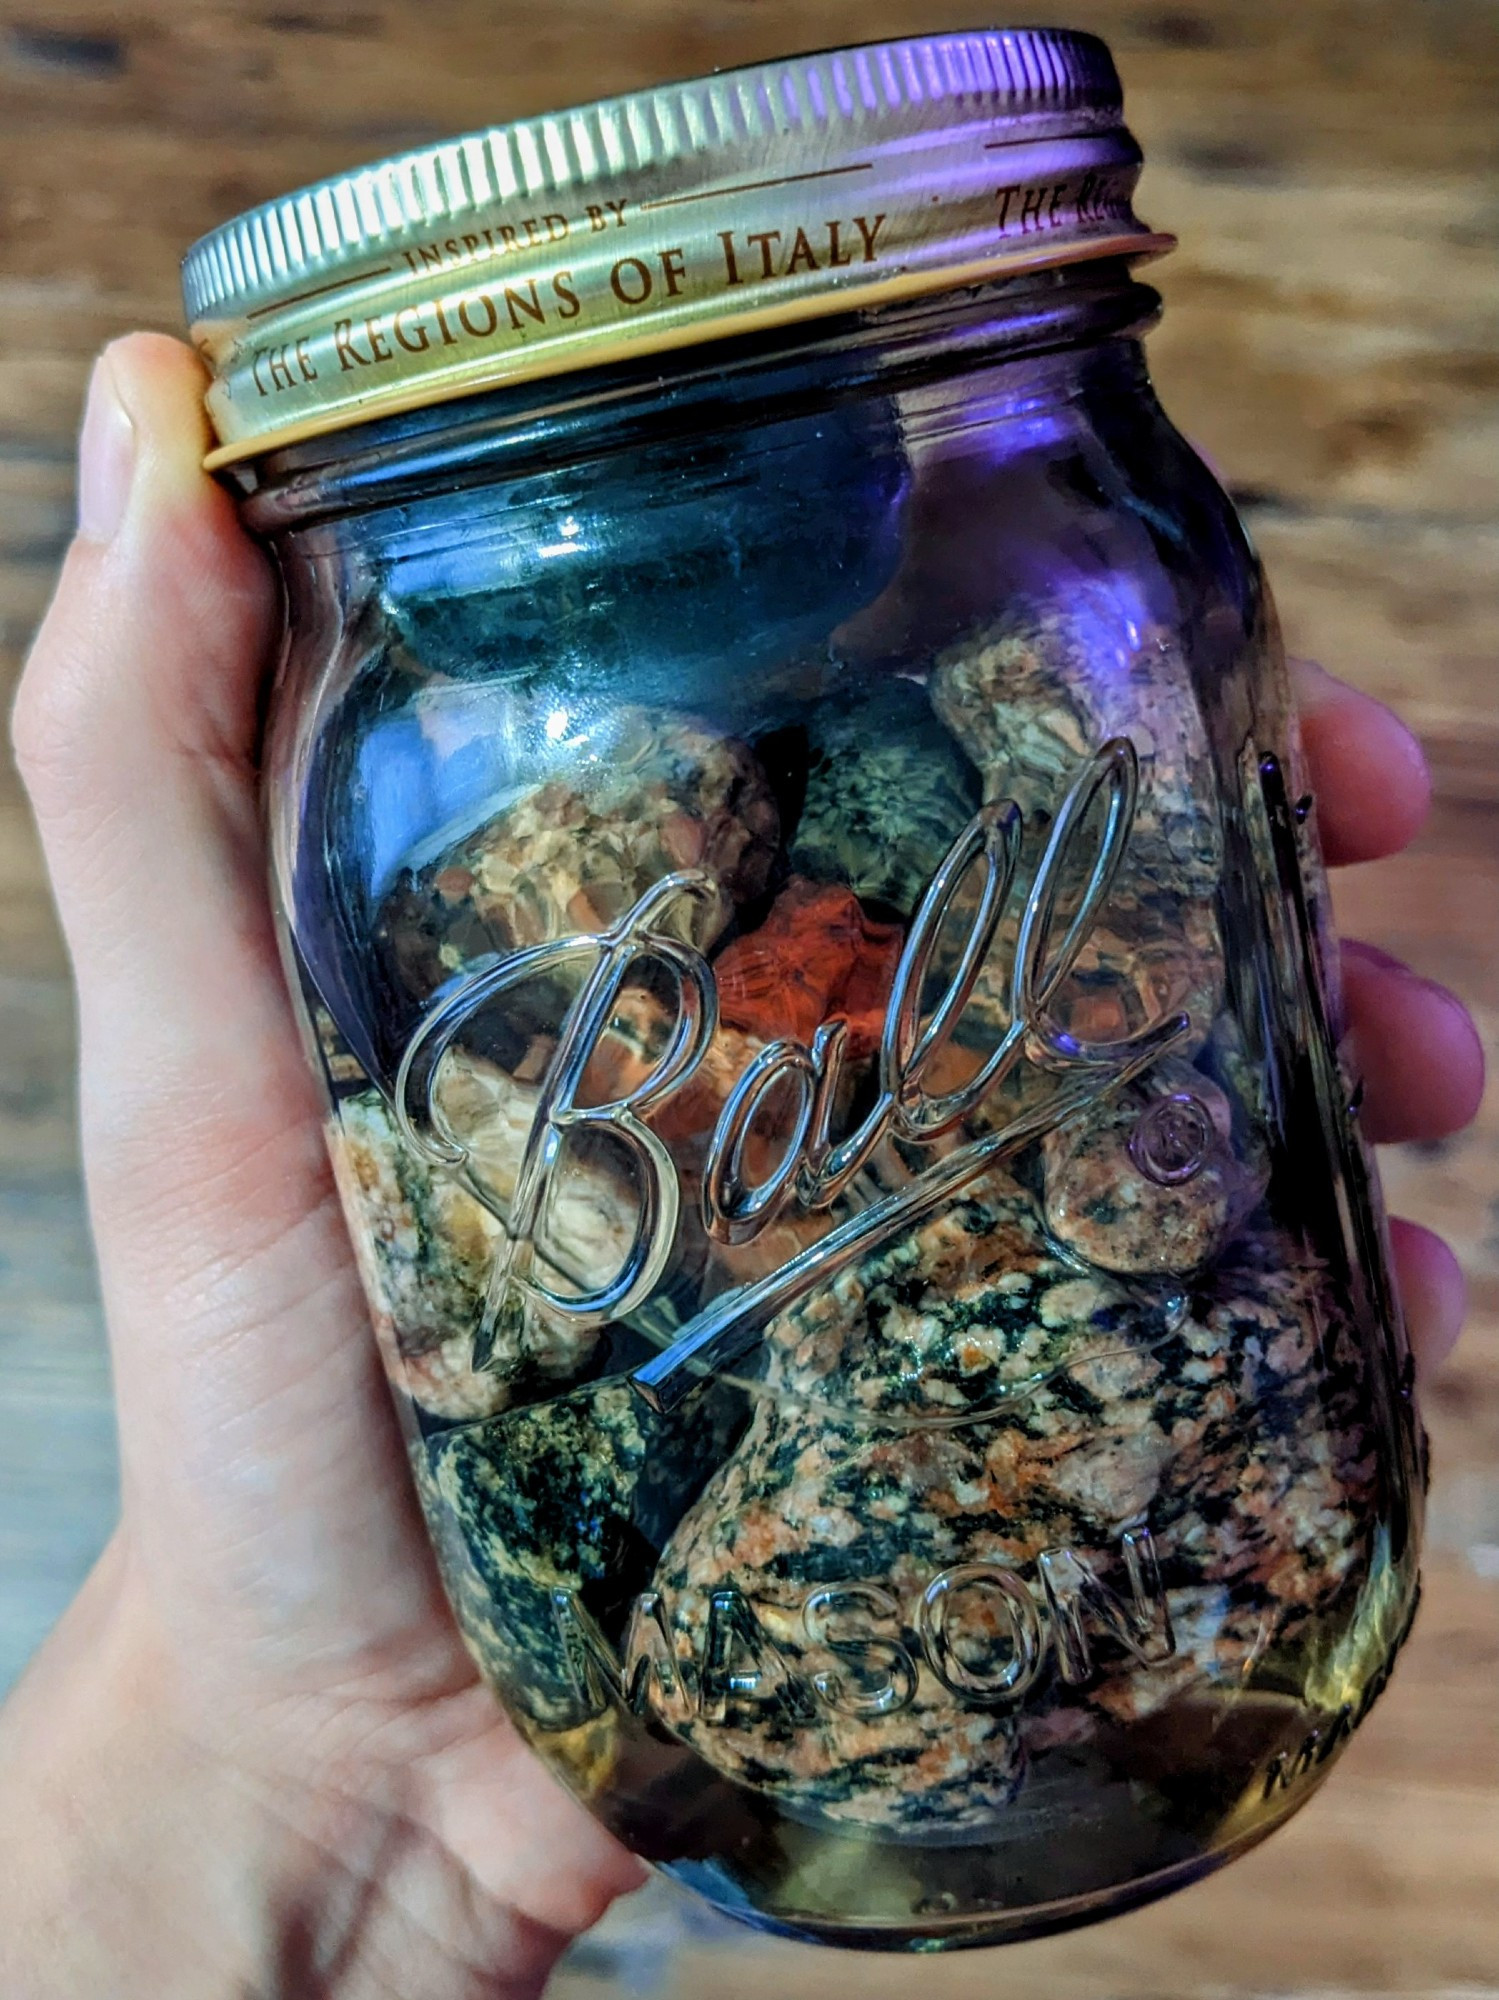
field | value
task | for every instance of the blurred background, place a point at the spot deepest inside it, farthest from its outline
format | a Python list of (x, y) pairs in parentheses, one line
[(1331, 339)]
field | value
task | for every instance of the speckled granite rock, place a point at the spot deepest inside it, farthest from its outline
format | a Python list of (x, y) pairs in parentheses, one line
[(1149, 1181), (1031, 700), (951, 1318), (575, 1493), (573, 854), (1088, 1410), (1030, 703), (888, 792), (426, 1245), (423, 1245)]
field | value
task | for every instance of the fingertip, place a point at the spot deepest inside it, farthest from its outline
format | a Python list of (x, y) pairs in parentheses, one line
[(1433, 1291), (1369, 772), (186, 550), (1415, 1045), (161, 382), (161, 620), (148, 354)]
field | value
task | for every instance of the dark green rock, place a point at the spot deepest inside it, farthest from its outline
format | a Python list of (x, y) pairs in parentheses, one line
[(578, 1493), (888, 792)]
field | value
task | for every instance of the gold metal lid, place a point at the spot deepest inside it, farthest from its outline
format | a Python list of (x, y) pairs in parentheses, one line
[(750, 199)]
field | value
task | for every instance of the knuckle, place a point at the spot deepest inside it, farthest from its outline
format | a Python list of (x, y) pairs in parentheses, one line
[(55, 720), (48, 726)]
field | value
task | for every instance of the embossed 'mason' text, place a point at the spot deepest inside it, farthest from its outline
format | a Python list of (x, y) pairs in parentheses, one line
[(858, 1651)]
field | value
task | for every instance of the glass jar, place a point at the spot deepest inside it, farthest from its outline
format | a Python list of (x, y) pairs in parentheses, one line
[(789, 845)]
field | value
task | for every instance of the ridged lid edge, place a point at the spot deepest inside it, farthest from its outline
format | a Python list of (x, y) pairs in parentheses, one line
[(922, 139)]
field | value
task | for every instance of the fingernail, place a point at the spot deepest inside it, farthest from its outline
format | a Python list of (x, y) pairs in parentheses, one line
[(106, 458)]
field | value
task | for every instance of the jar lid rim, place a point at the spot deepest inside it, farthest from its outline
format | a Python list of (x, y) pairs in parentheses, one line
[(666, 217)]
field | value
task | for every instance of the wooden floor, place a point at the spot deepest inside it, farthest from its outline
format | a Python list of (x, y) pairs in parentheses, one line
[(1332, 339)]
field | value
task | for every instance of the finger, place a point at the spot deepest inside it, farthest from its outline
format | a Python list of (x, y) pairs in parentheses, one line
[(1367, 770), (252, 1414), (1433, 1292), (1414, 1046)]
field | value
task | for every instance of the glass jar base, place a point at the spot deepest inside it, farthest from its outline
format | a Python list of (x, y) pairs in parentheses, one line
[(971, 1931)]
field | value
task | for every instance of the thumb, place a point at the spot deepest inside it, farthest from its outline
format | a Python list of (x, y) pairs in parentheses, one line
[(135, 729), (254, 1428)]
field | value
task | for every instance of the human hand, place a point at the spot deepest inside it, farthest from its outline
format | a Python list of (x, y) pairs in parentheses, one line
[(254, 1758)]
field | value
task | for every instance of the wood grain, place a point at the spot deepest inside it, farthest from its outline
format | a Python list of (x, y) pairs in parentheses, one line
[(1332, 168)]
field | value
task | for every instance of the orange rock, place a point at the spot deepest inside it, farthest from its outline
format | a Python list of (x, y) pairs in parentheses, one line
[(817, 957)]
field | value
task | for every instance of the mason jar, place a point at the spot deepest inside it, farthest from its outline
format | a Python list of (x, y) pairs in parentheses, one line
[(790, 848)]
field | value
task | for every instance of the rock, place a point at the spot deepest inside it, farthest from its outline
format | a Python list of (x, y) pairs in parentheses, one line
[(1148, 1181), (426, 1244), (1147, 959), (807, 1502), (1030, 703), (577, 1493), (950, 1318), (571, 855), (965, 1397), (1263, 1511), (888, 792), (1143, 963), (1033, 698), (817, 957), (695, 567)]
